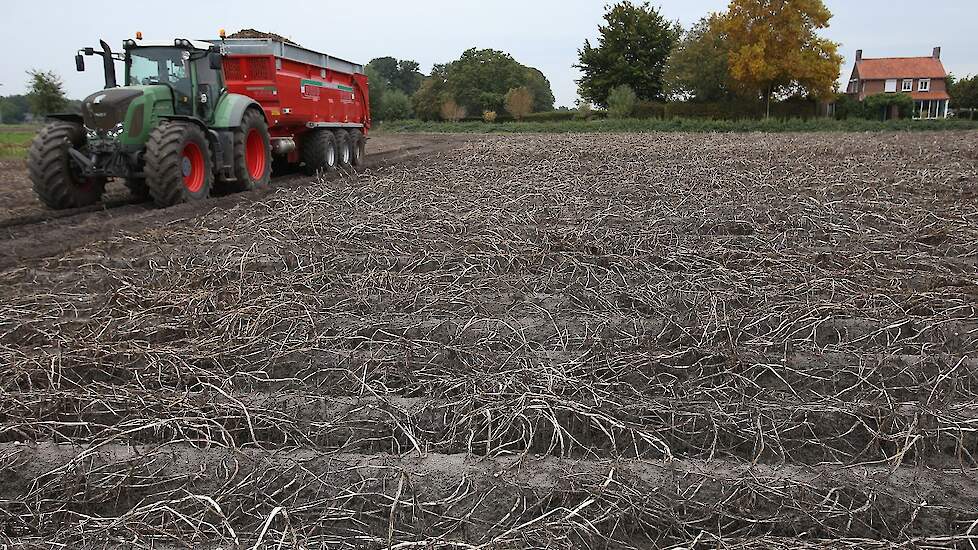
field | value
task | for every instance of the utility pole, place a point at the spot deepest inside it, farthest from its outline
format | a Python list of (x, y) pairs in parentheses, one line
[(1, 111)]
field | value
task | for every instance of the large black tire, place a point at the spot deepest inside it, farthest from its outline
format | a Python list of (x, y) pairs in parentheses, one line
[(138, 188), (358, 148), (56, 177), (178, 164), (343, 149), (252, 153), (319, 151)]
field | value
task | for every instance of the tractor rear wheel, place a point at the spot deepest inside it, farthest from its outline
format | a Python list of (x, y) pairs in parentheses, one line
[(137, 188), (57, 178), (319, 151), (343, 149), (178, 164), (252, 153), (358, 147)]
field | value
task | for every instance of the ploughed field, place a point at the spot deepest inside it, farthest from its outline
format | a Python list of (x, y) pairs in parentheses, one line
[(553, 341)]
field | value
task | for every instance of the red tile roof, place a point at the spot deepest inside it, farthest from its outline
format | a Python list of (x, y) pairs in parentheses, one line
[(930, 95), (900, 67)]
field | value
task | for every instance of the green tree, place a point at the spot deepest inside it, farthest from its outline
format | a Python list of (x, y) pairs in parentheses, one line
[(519, 102), (408, 78), (46, 93), (403, 74), (621, 101), (697, 68), (633, 48), (480, 79), (378, 86), (964, 94), (14, 109), (539, 86), (427, 101), (774, 48), (396, 106)]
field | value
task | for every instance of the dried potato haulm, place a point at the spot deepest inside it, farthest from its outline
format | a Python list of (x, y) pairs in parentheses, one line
[(575, 341)]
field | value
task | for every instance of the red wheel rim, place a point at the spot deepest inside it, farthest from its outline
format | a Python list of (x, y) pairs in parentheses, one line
[(255, 155), (193, 167)]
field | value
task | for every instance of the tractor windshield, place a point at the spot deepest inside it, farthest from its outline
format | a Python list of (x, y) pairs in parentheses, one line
[(171, 66)]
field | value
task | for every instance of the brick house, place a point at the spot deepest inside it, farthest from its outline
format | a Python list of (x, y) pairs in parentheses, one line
[(924, 78)]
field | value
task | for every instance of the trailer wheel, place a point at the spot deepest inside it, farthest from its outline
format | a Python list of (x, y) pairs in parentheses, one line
[(343, 149), (178, 164), (56, 177), (252, 153), (319, 151), (358, 147), (137, 188)]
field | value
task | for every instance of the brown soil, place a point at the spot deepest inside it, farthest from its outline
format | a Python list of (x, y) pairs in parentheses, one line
[(30, 230), (542, 341), (252, 33)]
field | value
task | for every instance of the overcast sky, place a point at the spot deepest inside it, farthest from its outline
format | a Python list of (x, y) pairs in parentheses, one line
[(541, 33)]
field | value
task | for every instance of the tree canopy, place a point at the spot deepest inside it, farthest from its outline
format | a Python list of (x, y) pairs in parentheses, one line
[(964, 93), (774, 47), (478, 81), (14, 109), (632, 49), (697, 68), (519, 102), (392, 82), (398, 74), (46, 93)]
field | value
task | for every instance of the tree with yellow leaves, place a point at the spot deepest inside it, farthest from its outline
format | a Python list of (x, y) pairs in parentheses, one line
[(774, 47)]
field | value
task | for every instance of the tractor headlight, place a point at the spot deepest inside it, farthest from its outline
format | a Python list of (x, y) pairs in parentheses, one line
[(115, 132)]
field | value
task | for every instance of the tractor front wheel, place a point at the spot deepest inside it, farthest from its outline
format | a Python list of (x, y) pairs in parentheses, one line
[(56, 177), (252, 152), (178, 164)]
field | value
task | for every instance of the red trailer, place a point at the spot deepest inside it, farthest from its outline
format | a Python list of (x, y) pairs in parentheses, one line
[(317, 105)]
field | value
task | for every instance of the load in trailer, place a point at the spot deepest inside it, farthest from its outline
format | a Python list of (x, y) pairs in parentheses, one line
[(192, 115)]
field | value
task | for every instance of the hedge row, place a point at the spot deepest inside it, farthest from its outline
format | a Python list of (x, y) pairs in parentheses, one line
[(682, 125)]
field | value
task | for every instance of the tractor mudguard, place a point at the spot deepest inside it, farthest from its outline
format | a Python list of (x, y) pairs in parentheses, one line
[(231, 109), (67, 117)]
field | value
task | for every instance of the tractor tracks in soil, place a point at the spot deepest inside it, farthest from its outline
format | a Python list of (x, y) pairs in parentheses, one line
[(35, 232)]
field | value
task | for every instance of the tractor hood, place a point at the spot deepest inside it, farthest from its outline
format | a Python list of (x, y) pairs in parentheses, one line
[(107, 109)]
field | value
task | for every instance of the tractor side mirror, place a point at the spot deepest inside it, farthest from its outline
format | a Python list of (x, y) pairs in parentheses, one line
[(215, 60), (80, 63)]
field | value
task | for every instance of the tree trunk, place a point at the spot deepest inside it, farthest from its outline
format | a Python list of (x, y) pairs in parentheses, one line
[(767, 97)]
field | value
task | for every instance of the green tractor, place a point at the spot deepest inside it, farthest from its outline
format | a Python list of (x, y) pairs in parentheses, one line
[(171, 131)]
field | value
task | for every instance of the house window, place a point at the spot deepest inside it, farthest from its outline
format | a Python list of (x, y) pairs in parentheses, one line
[(908, 85), (890, 86), (924, 85), (853, 86)]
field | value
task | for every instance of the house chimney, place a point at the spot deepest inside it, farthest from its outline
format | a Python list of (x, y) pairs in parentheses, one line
[(859, 55), (937, 52)]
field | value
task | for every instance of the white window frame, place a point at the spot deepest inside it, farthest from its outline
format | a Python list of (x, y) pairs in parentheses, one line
[(891, 86), (853, 86), (907, 84), (923, 85)]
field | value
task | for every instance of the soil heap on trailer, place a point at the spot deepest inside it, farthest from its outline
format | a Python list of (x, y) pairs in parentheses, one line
[(191, 115)]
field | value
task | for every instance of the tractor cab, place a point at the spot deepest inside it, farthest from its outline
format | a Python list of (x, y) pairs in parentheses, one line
[(189, 71)]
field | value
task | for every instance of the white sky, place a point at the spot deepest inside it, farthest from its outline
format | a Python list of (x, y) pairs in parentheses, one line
[(541, 33)]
